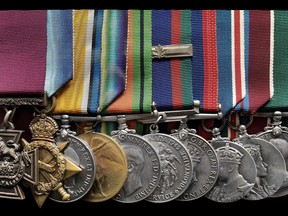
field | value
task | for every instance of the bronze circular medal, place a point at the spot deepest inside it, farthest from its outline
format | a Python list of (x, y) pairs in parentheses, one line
[(111, 166)]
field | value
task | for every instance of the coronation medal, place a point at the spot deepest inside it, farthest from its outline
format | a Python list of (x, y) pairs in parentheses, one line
[(270, 164), (278, 136), (144, 170), (204, 160), (237, 171)]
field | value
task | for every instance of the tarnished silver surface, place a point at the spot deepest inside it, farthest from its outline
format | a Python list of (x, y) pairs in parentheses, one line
[(143, 168), (176, 167), (79, 152), (172, 51), (270, 166), (278, 136), (237, 172), (205, 164)]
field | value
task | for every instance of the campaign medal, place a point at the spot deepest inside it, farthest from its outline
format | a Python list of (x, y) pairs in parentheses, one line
[(176, 166), (111, 165), (204, 160), (143, 162), (79, 152), (52, 163)]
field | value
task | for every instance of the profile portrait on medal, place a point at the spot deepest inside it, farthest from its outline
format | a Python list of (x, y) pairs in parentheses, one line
[(230, 185), (196, 155), (261, 188), (168, 167), (282, 145), (136, 163)]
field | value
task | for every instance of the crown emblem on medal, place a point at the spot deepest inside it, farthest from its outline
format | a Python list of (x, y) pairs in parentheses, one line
[(43, 128), (229, 154), (195, 153), (252, 149)]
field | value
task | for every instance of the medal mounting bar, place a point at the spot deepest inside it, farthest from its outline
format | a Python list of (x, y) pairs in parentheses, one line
[(149, 118), (23, 99), (172, 51)]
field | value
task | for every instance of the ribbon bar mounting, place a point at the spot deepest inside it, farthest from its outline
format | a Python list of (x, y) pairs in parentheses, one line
[(23, 100)]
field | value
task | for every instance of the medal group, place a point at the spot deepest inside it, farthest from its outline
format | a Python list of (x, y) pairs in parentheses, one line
[(144, 105)]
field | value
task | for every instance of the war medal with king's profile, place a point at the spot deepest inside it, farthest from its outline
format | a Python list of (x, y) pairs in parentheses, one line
[(15, 164), (204, 160), (54, 167)]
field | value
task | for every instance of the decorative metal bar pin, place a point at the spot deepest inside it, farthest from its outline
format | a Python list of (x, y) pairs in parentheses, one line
[(172, 51)]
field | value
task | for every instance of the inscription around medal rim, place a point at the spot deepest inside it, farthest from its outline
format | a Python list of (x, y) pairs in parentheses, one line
[(205, 160), (144, 173), (78, 185), (111, 166), (176, 173), (242, 174)]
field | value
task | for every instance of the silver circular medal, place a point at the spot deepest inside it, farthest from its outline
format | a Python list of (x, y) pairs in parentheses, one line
[(143, 168), (78, 152), (237, 172), (270, 167), (279, 138), (205, 165), (176, 167)]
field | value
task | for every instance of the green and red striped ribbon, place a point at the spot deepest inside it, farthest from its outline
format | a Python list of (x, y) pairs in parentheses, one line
[(137, 97), (172, 78)]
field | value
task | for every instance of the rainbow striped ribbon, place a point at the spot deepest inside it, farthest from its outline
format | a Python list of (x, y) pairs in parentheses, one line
[(137, 97), (99, 77), (59, 60), (172, 78), (113, 61)]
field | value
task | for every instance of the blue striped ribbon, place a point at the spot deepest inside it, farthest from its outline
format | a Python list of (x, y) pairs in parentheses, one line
[(161, 88), (225, 96), (59, 59), (197, 60), (95, 79)]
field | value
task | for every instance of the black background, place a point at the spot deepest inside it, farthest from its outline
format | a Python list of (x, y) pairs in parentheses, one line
[(199, 206)]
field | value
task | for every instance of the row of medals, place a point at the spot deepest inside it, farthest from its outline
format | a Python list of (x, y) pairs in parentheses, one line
[(66, 166)]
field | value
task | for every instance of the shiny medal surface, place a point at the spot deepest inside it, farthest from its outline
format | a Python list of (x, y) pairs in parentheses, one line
[(83, 172), (111, 166), (176, 167), (204, 160), (270, 164), (144, 170), (15, 164), (277, 135), (237, 172)]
